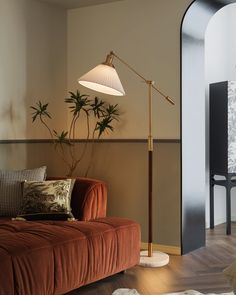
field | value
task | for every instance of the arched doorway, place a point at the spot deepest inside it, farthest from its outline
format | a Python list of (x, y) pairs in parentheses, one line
[(194, 164)]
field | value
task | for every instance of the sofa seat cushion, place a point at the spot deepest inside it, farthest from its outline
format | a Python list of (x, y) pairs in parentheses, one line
[(54, 257)]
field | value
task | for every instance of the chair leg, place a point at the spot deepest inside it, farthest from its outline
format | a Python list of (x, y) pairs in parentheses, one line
[(228, 210), (211, 205)]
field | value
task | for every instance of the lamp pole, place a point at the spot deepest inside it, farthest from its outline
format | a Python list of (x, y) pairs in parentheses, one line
[(150, 167)]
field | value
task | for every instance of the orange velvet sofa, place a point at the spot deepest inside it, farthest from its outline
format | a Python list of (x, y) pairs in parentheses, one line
[(55, 257)]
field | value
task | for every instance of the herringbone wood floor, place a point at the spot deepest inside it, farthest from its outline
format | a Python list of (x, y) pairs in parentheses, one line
[(200, 270)]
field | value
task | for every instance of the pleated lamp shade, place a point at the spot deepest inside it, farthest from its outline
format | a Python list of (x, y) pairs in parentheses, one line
[(103, 78)]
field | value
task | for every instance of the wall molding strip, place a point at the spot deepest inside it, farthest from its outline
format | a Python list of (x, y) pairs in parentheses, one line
[(18, 141)]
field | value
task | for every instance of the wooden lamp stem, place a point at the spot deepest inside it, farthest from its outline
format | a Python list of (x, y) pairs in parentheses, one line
[(150, 167)]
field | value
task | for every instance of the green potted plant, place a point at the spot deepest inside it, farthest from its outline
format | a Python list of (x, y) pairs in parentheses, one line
[(96, 109)]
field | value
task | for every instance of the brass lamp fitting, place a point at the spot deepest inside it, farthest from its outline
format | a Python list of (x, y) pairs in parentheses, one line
[(109, 59)]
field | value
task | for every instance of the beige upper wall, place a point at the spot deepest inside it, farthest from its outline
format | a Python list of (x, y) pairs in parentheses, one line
[(32, 65), (76, 3), (33, 58), (147, 35)]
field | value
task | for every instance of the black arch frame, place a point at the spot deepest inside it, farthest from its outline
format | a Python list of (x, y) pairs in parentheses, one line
[(194, 158)]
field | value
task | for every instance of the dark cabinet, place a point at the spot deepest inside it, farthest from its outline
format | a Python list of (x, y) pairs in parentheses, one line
[(222, 142)]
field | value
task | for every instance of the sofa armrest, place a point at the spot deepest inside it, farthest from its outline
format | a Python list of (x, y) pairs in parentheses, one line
[(88, 199)]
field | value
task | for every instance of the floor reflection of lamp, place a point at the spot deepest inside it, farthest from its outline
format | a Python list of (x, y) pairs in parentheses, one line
[(104, 78)]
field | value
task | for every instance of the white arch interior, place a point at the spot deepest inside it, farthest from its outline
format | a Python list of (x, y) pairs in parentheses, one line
[(220, 65)]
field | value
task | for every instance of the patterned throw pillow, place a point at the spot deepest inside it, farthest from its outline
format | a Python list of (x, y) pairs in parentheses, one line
[(11, 188), (48, 200)]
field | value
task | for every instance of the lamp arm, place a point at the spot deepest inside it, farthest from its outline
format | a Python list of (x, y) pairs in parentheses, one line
[(109, 60)]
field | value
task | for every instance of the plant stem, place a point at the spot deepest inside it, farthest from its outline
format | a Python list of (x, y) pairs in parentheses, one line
[(86, 143), (47, 127), (92, 153)]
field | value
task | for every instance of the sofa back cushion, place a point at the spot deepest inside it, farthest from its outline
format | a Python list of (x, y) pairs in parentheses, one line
[(11, 188), (88, 199)]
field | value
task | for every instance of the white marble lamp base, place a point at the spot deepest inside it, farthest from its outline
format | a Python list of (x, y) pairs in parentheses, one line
[(158, 259), (124, 291)]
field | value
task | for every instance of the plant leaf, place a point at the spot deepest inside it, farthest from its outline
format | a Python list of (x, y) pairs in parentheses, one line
[(40, 110)]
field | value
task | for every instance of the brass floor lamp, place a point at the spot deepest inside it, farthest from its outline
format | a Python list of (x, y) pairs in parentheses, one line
[(104, 78)]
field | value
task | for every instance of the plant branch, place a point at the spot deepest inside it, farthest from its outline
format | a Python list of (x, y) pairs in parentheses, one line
[(105, 114)]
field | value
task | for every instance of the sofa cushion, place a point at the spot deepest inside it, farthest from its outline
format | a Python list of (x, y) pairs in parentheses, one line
[(47, 200), (55, 257), (88, 199), (11, 189)]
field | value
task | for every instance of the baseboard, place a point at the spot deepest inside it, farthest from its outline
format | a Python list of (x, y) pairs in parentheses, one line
[(233, 217), (220, 221), (174, 250)]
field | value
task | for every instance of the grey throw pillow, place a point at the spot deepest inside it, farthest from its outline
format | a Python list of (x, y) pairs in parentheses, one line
[(11, 188), (47, 200)]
